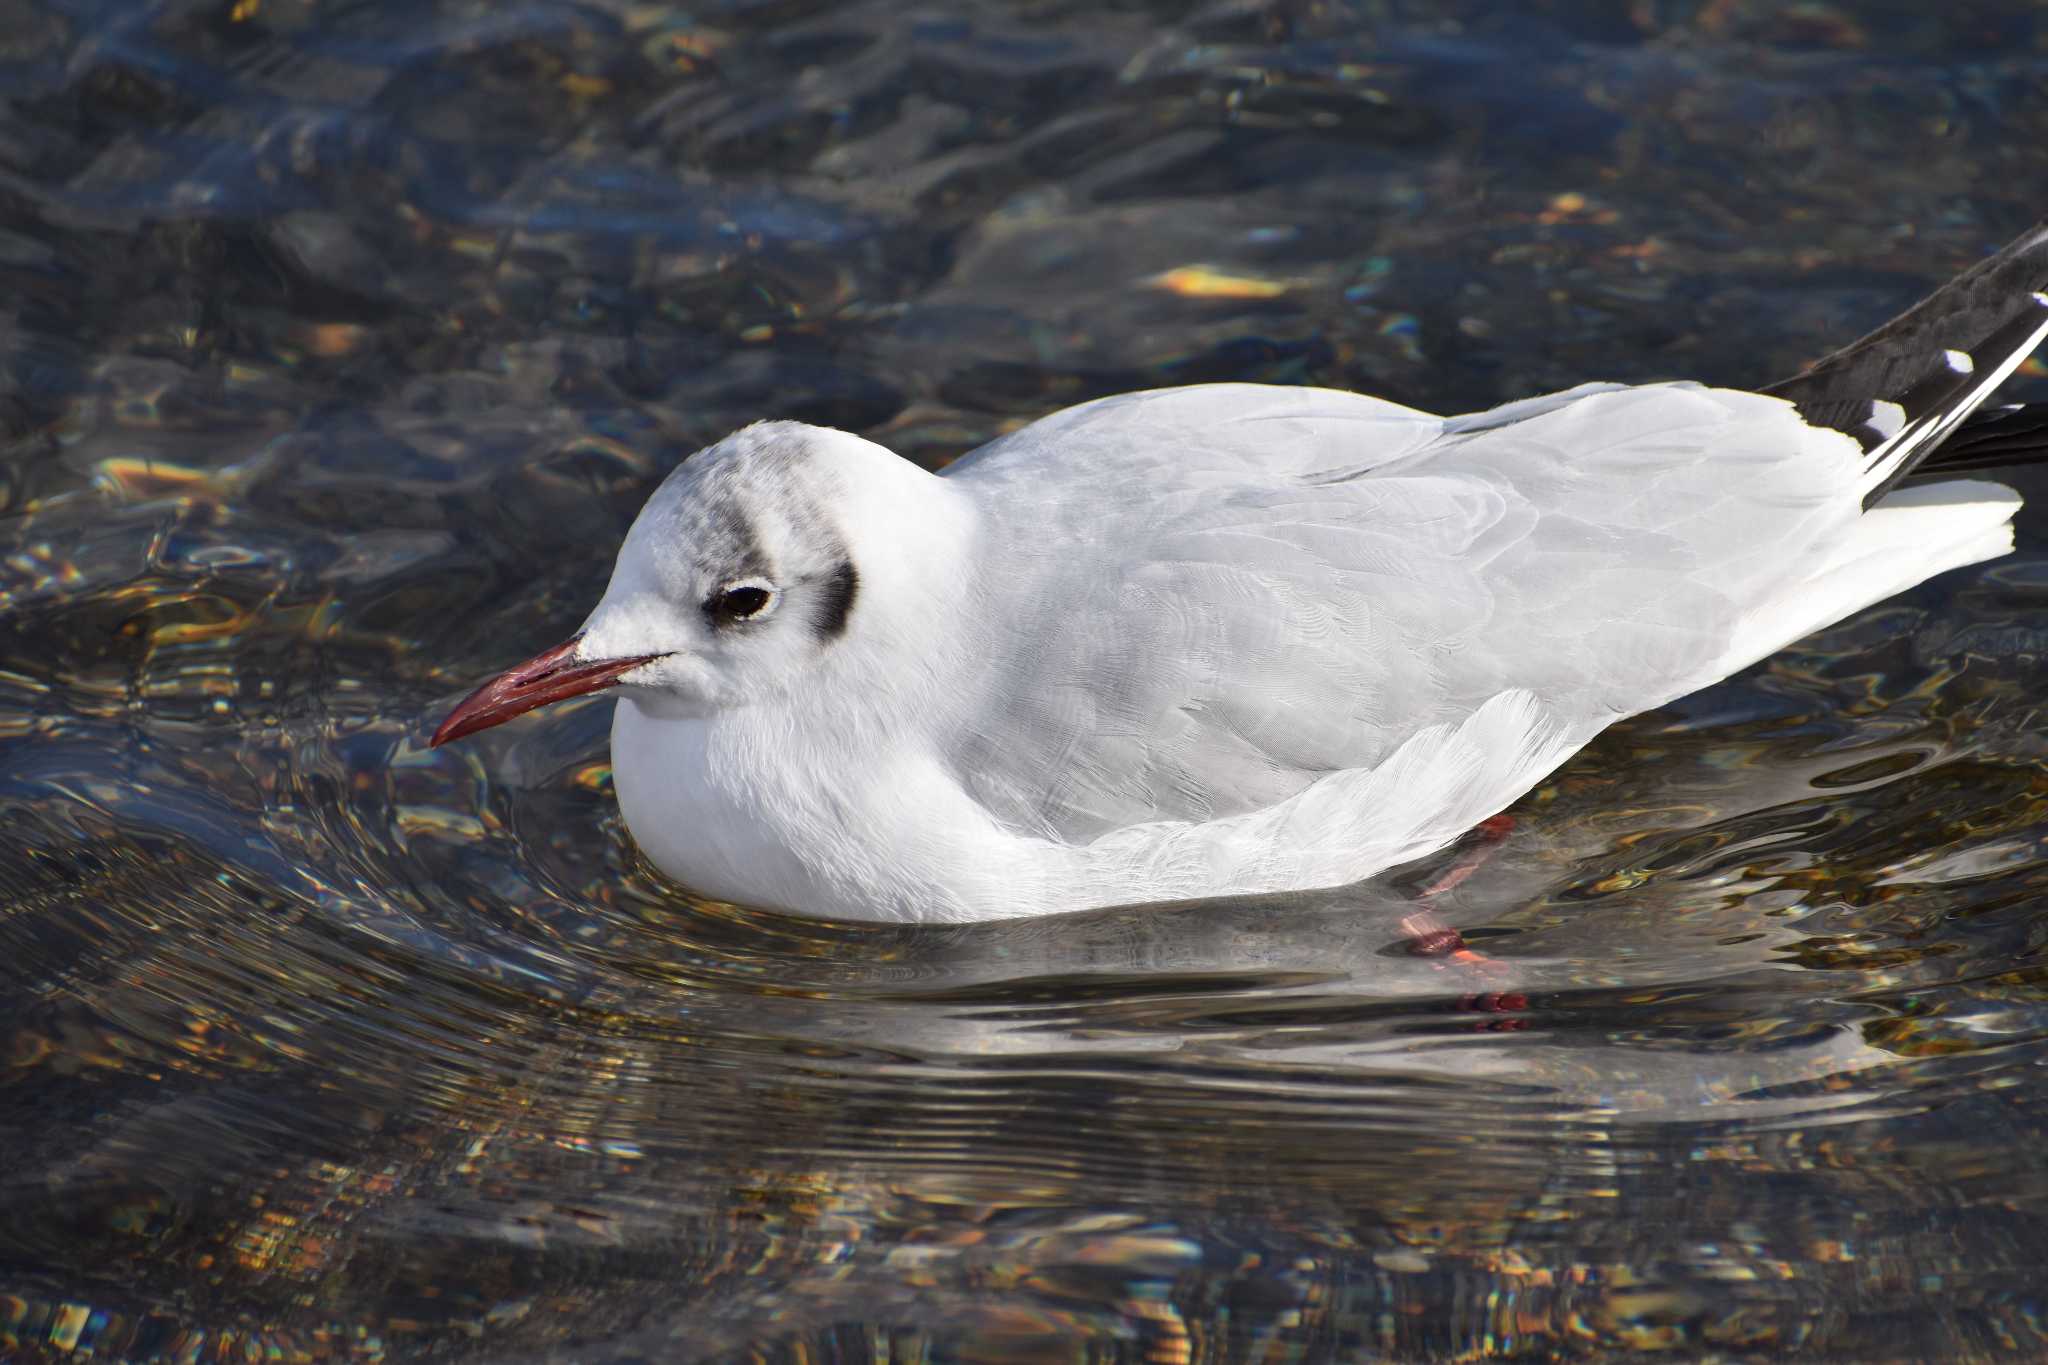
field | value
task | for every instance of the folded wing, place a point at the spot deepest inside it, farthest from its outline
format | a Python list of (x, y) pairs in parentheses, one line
[(1231, 608)]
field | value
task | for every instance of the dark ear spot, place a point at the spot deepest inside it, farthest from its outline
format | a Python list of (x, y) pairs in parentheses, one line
[(836, 602)]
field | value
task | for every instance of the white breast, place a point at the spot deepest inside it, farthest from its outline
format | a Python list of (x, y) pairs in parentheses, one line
[(693, 827), (759, 807)]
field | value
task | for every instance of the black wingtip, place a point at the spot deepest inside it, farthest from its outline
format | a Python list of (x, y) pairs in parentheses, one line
[(1977, 374), (1902, 390), (2012, 436)]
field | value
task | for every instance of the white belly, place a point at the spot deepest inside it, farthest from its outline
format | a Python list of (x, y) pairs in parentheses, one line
[(725, 807), (748, 807)]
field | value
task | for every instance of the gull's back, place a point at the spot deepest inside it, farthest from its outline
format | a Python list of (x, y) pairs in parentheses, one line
[(1214, 597)]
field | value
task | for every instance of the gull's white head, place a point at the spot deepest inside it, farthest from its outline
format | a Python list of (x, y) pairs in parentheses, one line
[(758, 560)]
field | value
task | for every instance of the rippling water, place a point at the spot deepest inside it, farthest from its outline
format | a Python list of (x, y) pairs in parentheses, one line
[(339, 344)]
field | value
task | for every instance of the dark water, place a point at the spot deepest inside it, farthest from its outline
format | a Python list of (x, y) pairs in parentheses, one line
[(338, 344)]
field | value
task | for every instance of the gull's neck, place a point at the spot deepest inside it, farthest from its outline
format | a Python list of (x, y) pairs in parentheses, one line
[(915, 541), (915, 538)]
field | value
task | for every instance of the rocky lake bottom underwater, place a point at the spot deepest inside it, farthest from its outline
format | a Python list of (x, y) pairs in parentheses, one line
[(339, 343)]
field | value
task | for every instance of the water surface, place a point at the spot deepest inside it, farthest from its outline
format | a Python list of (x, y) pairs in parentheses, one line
[(339, 343)]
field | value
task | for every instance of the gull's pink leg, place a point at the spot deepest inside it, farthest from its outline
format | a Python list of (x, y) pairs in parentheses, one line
[(1429, 936), (1491, 833)]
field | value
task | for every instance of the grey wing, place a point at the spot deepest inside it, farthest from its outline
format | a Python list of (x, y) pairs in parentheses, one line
[(1200, 435), (1213, 642)]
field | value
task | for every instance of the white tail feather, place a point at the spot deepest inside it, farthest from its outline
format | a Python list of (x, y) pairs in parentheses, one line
[(1911, 535)]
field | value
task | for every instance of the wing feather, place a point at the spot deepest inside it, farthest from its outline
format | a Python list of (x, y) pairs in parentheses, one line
[(1237, 610)]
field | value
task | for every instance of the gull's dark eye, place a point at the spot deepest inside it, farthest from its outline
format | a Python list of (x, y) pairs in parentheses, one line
[(740, 601)]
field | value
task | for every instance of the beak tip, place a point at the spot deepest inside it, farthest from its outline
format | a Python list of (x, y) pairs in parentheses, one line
[(453, 726), (545, 678)]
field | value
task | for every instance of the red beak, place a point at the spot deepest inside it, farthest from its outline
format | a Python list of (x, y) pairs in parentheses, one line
[(551, 676)]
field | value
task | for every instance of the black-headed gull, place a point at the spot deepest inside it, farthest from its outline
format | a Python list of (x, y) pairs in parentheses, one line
[(1235, 638)]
